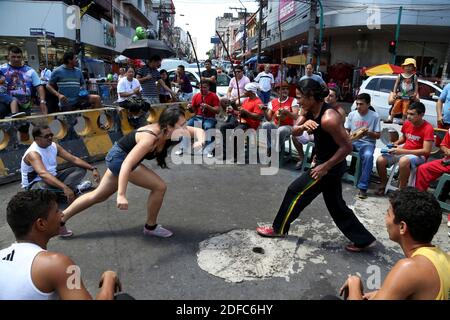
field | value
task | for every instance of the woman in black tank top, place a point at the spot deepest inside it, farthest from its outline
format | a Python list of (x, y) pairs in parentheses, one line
[(124, 165), (332, 146)]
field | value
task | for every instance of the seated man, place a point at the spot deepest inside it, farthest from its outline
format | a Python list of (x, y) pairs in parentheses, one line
[(205, 106), (27, 270), (331, 99), (69, 80), (283, 111), (418, 138), (21, 82), (412, 220), (39, 162), (11, 104), (129, 92), (235, 88), (248, 117), (433, 170), (362, 117)]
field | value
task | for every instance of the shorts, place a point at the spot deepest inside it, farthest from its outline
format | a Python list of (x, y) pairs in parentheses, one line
[(415, 161), (6, 98), (115, 158), (305, 138)]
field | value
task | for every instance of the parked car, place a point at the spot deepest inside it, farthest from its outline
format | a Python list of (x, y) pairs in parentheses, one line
[(194, 65), (169, 64), (379, 87), (223, 80)]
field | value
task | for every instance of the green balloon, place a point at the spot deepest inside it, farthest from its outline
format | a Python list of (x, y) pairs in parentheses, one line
[(110, 77), (135, 38), (140, 32)]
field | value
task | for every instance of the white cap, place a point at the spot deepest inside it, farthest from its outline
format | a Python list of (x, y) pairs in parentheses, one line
[(252, 86)]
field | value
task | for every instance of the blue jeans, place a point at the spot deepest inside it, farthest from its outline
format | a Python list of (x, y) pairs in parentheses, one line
[(365, 150), (264, 96), (207, 123), (6, 98)]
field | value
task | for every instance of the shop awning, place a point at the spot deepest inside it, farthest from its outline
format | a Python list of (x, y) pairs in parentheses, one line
[(299, 59)]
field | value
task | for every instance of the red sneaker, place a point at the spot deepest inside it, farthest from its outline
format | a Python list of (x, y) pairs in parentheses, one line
[(352, 248), (267, 231)]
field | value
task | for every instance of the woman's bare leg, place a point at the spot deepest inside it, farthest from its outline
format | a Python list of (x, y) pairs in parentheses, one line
[(107, 186), (146, 178)]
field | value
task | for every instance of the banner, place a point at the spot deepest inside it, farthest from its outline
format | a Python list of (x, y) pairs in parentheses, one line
[(286, 10)]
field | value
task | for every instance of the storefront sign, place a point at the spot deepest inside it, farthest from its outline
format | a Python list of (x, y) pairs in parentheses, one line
[(286, 10), (109, 32)]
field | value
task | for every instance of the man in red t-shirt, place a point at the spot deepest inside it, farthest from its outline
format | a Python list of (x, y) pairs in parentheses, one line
[(432, 170), (418, 138), (205, 106), (283, 111), (247, 117)]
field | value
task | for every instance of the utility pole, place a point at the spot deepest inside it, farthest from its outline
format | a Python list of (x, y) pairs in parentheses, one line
[(397, 33), (445, 69), (160, 20), (259, 31), (312, 30)]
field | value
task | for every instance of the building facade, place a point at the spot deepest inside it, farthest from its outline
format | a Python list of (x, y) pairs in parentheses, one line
[(359, 34), (107, 27)]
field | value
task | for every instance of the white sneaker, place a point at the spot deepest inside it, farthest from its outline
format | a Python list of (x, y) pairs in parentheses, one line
[(179, 152), (16, 115), (159, 231), (85, 185)]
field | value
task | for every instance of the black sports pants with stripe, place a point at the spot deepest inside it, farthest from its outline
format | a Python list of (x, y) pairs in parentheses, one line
[(305, 189)]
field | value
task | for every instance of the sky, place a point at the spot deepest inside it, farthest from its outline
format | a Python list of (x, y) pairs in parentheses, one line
[(201, 16)]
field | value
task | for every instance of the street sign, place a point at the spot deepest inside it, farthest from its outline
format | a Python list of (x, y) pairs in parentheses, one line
[(50, 35), (215, 40), (36, 32)]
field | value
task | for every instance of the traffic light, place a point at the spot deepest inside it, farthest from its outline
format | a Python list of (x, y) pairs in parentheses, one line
[(317, 49), (392, 46)]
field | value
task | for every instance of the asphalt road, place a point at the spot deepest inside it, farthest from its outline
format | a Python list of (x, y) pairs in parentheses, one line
[(213, 212)]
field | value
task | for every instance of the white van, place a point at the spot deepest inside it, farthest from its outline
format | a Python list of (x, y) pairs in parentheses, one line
[(169, 64), (379, 87)]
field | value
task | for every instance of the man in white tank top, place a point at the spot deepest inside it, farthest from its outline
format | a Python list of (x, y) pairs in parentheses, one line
[(39, 162), (38, 169), (28, 271)]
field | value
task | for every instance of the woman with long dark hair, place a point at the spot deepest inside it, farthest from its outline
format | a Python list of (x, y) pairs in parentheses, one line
[(332, 146), (124, 165), (164, 95)]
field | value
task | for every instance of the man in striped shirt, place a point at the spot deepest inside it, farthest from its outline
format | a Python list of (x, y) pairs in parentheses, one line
[(149, 77), (66, 83)]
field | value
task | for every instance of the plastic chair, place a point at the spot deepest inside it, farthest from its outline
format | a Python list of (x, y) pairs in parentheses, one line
[(437, 192), (357, 173), (411, 180), (308, 154)]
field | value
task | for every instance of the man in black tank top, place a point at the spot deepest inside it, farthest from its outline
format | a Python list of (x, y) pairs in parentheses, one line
[(332, 146)]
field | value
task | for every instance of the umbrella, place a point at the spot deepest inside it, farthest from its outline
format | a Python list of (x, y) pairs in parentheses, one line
[(121, 59), (383, 69), (144, 49), (298, 60)]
